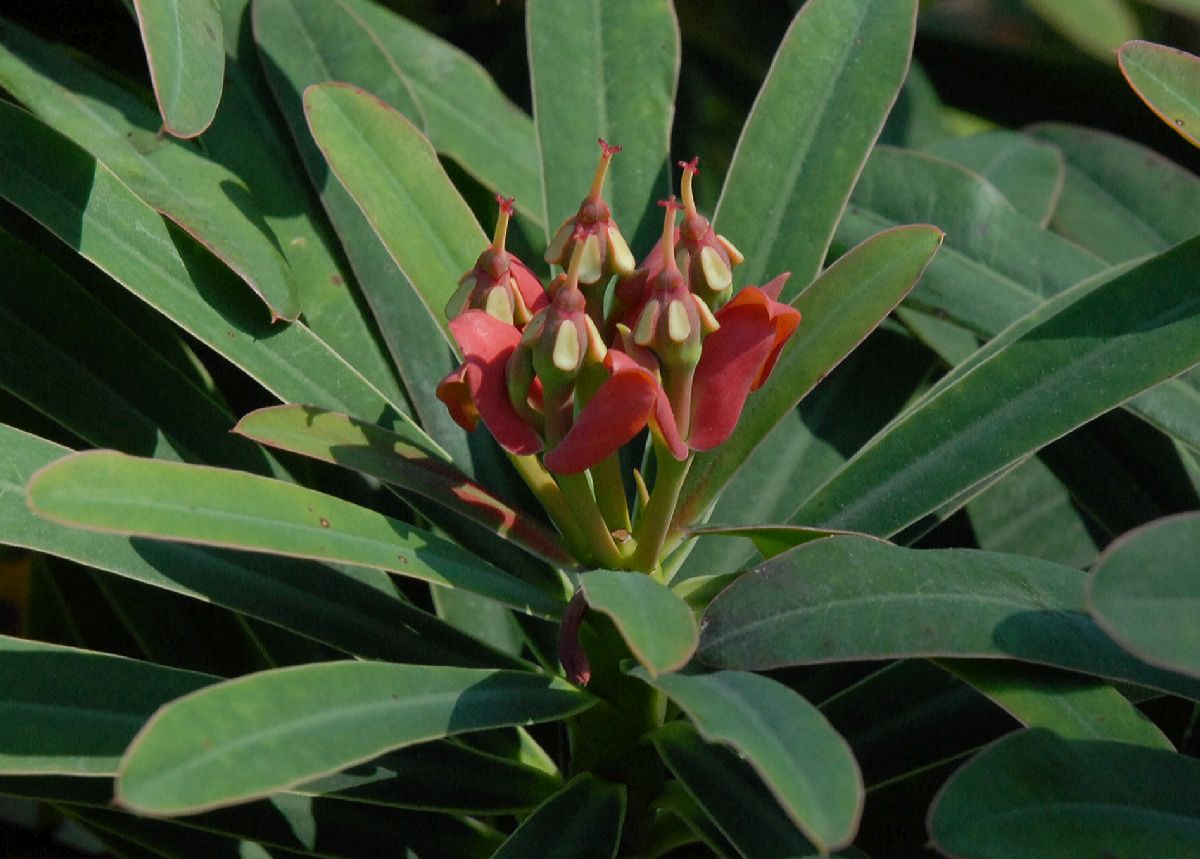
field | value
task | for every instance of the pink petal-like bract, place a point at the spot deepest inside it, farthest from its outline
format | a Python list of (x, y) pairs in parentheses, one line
[(457, 391), (487, 344), (529, 285), (737, 359)]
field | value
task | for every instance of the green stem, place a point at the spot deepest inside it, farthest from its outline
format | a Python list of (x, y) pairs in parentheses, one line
[(610, 493), (652, 527), (578, 493), (539, 481)]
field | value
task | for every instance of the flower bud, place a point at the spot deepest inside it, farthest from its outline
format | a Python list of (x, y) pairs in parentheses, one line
[(707, 258), (499, 284), (604, 251)]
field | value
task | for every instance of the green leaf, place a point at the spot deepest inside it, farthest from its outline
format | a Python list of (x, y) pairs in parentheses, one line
[(1036, 794), (72, 712), (658, 626), (249, 140), (822, 603), (401, 460), (120, 494), (820, 109), (1096, 26), (905, 186), (288, 35), (353, 609), (1121, 200), (839, 310), (604, 68), (203, 198), (393, 174), (85, 205), (238, 741), (731, 794), (1031, 513), (446, 776), (1029, 174), (813, 442), (71, 358), (187, 61), (1168, 81), (582, 821), (769, 540), (1074, 708), (807, 767), (1101, 345), (465, 114), (1145, 590)]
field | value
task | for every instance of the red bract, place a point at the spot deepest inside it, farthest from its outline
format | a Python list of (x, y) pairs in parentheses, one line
[(478, 389), (626, 403), (737, 359)]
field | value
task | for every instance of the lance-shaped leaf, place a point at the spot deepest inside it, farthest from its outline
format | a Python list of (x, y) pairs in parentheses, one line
[(1035, 794), (447, 776), (1075, 708), (820, 109), (182, 39), (288, 35), (839, 310), (119, 494), (353, 609), (1145, 591), (239, 740), (72, 712), (582, 821), (1029, 174), (398, 459), (586, 85), (733, 796), (824, 601), (1121, 200), (465, 114), (91, 373), (63, 187), (1168, 81), (1102, 345), (392, 172), (769, 540), (802, 760), (1097, 26), (658, 626), (203, 198)]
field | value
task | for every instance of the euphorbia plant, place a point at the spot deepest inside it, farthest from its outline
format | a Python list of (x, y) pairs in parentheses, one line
[(728, 621)]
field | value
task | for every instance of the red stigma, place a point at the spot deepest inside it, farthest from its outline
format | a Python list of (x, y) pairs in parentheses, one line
[(506, 203), (608, 150), (670, 203), (692, 166)]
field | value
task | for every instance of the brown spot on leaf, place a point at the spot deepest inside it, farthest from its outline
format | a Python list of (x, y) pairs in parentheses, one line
[(324, 522), (1179, 121), (402, 559), (336, 279)]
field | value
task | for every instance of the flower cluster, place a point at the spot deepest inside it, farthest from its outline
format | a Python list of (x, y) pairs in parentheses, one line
[(573, 371)]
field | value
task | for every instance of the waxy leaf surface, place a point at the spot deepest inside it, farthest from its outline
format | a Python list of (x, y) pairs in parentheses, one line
[(240, 740), (183, 46)]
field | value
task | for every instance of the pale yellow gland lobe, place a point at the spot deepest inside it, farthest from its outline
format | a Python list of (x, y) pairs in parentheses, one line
[(735, 256), (498, 304), (589, 261), (716, 274), (458, 301), (678, 324), (620, 257), (596, 349), (566, 348), (559, 243), (708, 322), (647, 322), (521, 311)]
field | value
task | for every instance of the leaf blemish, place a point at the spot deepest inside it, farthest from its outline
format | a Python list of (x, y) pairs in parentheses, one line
[(324, 522)]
